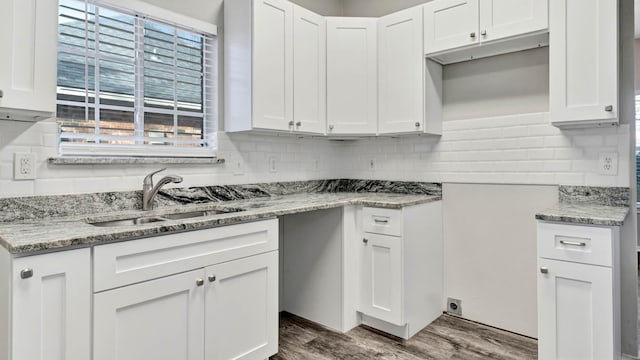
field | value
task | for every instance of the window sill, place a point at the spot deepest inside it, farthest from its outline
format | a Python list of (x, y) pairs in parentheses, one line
[(106, 160)]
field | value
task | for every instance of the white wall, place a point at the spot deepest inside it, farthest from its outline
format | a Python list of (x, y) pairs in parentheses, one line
[(376, 7), (490, 251)]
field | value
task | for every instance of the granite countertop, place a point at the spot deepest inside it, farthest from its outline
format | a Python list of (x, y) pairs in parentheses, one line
[(605, 206), (32, 236)]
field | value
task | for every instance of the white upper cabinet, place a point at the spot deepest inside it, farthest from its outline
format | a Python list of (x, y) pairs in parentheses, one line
[(28, 37), (460, 30), (450, 24), (258, 65), (501, 19), (583, 62), (352, 89), (401, 72), (309, 71)]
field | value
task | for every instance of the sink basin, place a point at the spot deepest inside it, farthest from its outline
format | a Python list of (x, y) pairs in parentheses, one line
[(153, 219), (128, 222), (194, 214)]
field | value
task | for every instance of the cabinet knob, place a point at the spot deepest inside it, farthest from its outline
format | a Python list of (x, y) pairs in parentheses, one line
[(330, 127), (366, 241), (26, 273), (544, 270), (199, 282), (1, 94), (417, 124), (299, 123), (212, 278), (472, 35), (483, 33), (291, 123), (608, 108)]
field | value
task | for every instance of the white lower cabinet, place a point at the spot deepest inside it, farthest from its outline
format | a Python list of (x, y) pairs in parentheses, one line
[(225, 306), (401, 274), (578, 286), (51, 306), (159, 319), (382, 278)]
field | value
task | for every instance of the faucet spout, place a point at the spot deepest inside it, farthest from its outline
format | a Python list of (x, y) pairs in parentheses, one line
[(149, 191)]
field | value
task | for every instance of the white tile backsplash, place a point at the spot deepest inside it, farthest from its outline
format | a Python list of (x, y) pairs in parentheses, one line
[(517, 149)]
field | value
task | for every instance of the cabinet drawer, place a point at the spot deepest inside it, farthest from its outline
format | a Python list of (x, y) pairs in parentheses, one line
[(382, 221), (581, 244), (135, 261)]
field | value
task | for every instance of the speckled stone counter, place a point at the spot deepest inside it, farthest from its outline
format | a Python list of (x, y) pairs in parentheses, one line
[(34, 225), (606, 206)]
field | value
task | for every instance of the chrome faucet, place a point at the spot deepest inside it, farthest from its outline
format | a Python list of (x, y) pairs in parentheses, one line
[(149, 191)]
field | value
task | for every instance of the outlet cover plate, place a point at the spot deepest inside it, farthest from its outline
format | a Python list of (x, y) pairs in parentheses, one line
[(24, 166), (608, 163), (454, 306)]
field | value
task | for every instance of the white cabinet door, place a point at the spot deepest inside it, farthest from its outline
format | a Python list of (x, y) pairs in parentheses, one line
[(382, 278), (506, 18), (242, 309), (583, 61), (160, 319), (450, 24), (352, 97), (272, 64), (309, 71), (401, 72), (28, 36), (52, 306), (575, 307)]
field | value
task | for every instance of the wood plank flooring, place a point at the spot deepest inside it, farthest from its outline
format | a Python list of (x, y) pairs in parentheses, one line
[(446, 338)]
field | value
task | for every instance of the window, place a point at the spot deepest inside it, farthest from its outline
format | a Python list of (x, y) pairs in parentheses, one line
[(133, 85)]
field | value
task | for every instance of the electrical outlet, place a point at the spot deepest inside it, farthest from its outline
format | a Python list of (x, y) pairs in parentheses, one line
[(238, 166), (273, 165), (454, 306), (608, 164), (24, 166), (372, 165)]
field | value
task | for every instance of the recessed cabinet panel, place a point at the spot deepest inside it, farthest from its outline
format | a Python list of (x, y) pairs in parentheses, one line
[(505, 18), (28, 33), (242, 308), (161, 319), (273, 64), (575, 311), (351, 76), (450, 24), (382, 278), (52, 306), (310, 74), (401, 72), (583, 62)]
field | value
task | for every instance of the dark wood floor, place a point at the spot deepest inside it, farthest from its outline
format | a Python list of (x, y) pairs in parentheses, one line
[(446, 338)]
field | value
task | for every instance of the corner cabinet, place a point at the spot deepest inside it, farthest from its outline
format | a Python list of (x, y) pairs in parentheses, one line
[(583, 63), (273, 48), (208, 294), (51, 306), (352, 72), (578, 292), (28, 36), (401, 275), (409, 87)]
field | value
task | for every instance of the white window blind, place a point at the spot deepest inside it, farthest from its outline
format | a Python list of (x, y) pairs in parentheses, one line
[(131, 85)]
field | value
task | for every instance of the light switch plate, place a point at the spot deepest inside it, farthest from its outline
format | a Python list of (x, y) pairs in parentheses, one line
[(608, 164)]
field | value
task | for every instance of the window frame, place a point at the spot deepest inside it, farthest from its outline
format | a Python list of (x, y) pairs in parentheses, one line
[(144, 11)]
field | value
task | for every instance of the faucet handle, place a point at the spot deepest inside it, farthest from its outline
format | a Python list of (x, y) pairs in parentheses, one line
[(149, 178)]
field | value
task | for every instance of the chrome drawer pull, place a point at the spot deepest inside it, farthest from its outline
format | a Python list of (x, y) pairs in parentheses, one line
[(544, 270), (573, 243), (381, 221)]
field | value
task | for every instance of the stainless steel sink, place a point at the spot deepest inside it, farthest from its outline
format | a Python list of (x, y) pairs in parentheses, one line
[(194, 214), (165, 217), (128, 222)]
